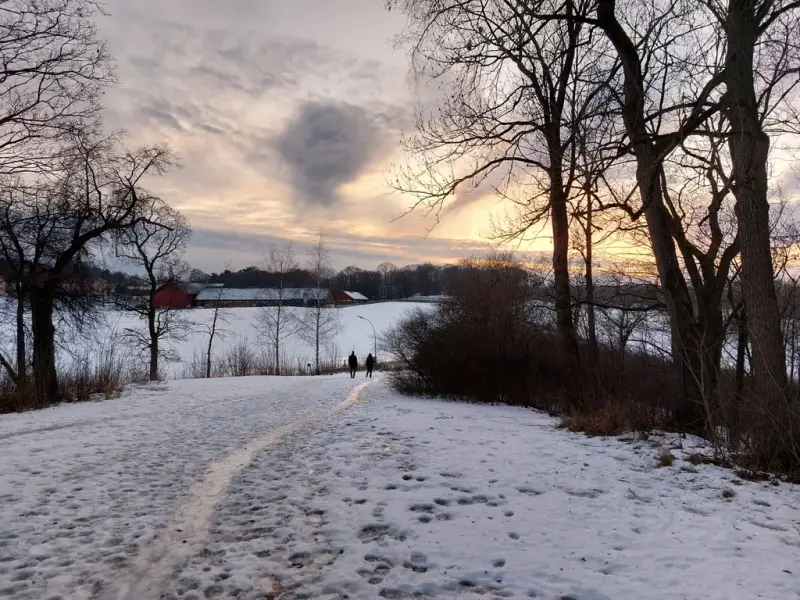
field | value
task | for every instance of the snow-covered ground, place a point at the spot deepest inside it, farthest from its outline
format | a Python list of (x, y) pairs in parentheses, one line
[(355, 334), (319, 488)]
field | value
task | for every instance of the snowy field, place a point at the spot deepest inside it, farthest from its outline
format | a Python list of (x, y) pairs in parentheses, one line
[(320, 488), (355, 335)]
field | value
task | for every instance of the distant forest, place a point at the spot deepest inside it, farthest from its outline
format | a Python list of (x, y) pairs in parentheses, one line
[(387, 281)]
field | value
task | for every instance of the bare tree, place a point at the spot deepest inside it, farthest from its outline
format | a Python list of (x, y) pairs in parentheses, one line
[(762, 60), (52, 224), (52, 76), (156, 245), (215, 328), (321, 322), (519, 89), (275, 322), (15, 229)]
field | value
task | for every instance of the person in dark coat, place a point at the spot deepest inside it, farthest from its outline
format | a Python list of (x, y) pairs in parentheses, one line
[(353, 364), (370, 364)]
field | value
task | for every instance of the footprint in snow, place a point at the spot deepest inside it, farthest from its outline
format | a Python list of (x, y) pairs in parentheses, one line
[(417, 566), (529, 491), (583, 493)]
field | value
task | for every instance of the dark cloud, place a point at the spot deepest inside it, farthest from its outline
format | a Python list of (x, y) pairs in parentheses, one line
[(328, 144)]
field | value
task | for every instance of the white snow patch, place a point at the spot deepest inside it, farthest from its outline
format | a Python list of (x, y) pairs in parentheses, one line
[(401, 498), (84, 488), (186, 534), (390, 498)]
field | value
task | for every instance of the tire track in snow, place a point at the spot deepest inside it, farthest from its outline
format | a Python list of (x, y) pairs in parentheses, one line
[(189, 530)]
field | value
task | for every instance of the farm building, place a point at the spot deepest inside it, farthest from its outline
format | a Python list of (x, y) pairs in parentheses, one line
[(172, 296), (344, 297), (243, 297), (179, 295)]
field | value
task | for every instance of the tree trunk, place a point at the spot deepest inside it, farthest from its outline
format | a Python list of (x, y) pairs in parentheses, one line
[(793, 346), (741, 350), (22, 371), (278, 341), (741, 354), (589, 275), (208, 355), (319, 316), (710, 348), (561, 284), (151, 324), (44, 344), (686, 358), (749, 147)]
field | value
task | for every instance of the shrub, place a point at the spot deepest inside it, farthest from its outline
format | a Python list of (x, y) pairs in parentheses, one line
[(489, 342)]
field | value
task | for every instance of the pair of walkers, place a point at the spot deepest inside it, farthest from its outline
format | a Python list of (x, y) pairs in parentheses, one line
[(352, 362)]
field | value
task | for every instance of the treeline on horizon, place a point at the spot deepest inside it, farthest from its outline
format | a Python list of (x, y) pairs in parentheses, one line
[(387, 280)]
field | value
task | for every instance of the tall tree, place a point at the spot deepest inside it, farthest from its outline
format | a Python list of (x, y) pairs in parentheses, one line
[(62, 218), (275, 322), (762, 60), (320, 321), (52, 75), (518, 86), (156, 245)]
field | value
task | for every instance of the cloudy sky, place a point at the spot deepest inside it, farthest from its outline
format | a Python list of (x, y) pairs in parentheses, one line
[(287, 116)]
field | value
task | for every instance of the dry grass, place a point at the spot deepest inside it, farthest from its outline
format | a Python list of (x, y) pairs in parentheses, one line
[(101, 378), (612, 418), (666, 459)]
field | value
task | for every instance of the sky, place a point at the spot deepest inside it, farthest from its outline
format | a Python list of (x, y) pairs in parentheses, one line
[(287, 116)]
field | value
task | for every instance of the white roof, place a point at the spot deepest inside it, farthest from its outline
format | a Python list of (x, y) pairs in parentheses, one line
[(262, 294), (357, 296)]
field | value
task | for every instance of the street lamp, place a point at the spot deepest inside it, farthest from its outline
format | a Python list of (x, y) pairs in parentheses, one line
[(374, 336)]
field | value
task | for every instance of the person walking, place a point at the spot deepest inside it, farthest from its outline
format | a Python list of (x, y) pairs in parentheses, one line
[(370, 364), (353, 364)]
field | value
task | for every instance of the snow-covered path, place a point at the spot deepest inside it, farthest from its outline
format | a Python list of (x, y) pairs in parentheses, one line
[(86, 491), (387, 497)]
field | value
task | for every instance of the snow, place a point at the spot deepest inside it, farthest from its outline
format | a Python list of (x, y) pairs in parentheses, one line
[(84, 487), (319, 488), (355, 334)]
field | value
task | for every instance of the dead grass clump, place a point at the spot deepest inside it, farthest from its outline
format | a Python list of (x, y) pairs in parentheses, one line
[(666, 459), (613, 418)]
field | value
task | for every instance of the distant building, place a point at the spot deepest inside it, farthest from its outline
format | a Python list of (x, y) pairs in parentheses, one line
[(357, 297), (244, 297), (180, 295), (172, 296), (344, 297)]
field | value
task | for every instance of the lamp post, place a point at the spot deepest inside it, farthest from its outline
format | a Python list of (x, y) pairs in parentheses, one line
[(374, 337)]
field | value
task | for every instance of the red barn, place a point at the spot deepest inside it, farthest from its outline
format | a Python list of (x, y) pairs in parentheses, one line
[(172, 296)]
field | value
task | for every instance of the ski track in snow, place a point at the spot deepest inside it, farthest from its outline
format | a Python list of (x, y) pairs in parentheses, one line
[(186, 535), (400, 498), (281, 495), (84, 488)]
